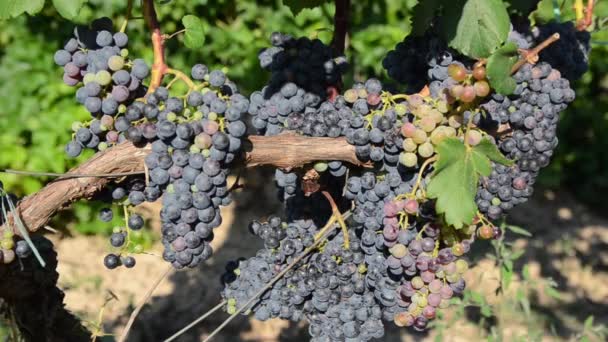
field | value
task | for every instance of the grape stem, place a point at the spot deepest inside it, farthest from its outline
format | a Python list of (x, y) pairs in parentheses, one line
[(169, 36), (531, 56), (123, 28), (419, 178), (159, 67), (329, 227), (197, 321), (339, 218), (125, 332), (181, 76), (585, 22)]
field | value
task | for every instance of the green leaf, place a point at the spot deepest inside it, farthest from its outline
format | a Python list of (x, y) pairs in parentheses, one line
[(476, 28), (457, 171), (499, 68), (296, 6), (194, 37), (14, 8), (588, 323), (69, 9), (550, 10), (518, 230), (423, 14)]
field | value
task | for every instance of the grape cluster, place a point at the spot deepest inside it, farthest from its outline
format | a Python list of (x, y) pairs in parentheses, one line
[(303, 73), (96, 60), (327, 287), (409, 61), (532, 113), (570, 54)]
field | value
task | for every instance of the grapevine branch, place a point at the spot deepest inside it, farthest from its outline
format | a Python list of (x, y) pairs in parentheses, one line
[(285, 151), (159, 66)]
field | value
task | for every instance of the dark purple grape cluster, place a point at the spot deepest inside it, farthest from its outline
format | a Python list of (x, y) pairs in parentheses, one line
[(327, 288), (417, 60), (532, 114), (96, 60), (570, 54)]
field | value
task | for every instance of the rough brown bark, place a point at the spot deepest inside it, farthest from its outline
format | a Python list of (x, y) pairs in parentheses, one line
[(284, 151)]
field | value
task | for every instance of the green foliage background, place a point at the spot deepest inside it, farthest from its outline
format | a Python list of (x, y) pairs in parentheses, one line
[(36, 109)]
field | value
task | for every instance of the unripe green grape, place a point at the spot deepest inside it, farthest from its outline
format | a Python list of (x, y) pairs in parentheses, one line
[(212, 116), (437, 135), (88, 78), (442, 106), (419, 136), (427, 124), (457, 72), (398, 251), (124, 53), (452, 278), (170, 189), (122, 108), (102, 146), (351, 95), (409, 145), (103, 77), (400, 109), (408, 129), (171, 116), (450, 131), (116, 63), (362, 93), (461, 266), (473, 137), (426, 150), (76, 125), (7, 243), (408, 159), (496, 201), (116, 229), (417, 283), (436, 116), (8, 234), (195, 149), (321, 167), (206, 153), (422, 301), (468, 94)]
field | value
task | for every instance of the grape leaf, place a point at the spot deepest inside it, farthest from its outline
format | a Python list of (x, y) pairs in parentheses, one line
[(476, 28), (14, 8), (423, 14), (549, 10), (454, 181), (68, 9), (522, 7), (194, 37), (499, 68), (296, 6)]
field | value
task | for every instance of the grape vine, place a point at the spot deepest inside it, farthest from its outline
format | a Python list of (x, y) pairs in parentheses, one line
[(377, 225)]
